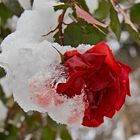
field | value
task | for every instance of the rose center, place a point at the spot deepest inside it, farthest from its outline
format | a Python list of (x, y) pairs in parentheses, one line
[(94, 98)]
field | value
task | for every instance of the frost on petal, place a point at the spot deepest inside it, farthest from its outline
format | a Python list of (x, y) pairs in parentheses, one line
[(62, 109)]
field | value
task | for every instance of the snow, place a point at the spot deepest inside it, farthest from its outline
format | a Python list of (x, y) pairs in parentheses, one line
[(70, 110), (36, 22), (29, 67), (136, 137), (114, 44), (92, 4)]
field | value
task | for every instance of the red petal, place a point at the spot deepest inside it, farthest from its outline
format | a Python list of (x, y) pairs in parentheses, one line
[(124, 76), (73, 86), (120, 100), (123, 85), (75, 63), (108, 100), (104, 49), (99, 79), (69, 54), (91, 123), (95, 59), (111, 113)]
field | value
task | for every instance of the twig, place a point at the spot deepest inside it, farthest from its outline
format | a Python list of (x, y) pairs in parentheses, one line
[(50, 32), (59, 27)]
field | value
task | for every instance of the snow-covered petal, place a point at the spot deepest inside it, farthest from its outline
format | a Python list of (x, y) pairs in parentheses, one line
[(62, 109)]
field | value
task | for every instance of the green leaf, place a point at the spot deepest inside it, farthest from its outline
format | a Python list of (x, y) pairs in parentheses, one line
[(14, 7), (4, 32), (10, 134), (2, 72), (53, 124), (115, 23), (135, 13), (4, 13), (48, 134), (2, 95), (135, 35), (103, 10), (83, 4), (62, 6), (32, 122), (65, 135), (64, 1), (81, 32)]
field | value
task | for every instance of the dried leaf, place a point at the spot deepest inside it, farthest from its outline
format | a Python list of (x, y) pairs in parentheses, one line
[(88, 18)]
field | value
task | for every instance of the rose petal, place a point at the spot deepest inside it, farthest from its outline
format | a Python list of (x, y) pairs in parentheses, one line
[(76, 62), (70, 54), (95, 59), (121, 99), (124, 75), (99, 79), (111, 113), (73, 86), (104, 49), (108, 100), (92, 123)]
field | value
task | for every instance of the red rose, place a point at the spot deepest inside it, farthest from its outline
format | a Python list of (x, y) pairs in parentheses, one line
[(102, 78)]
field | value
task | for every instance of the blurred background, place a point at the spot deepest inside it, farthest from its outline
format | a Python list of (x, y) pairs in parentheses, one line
[(125, 42)]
